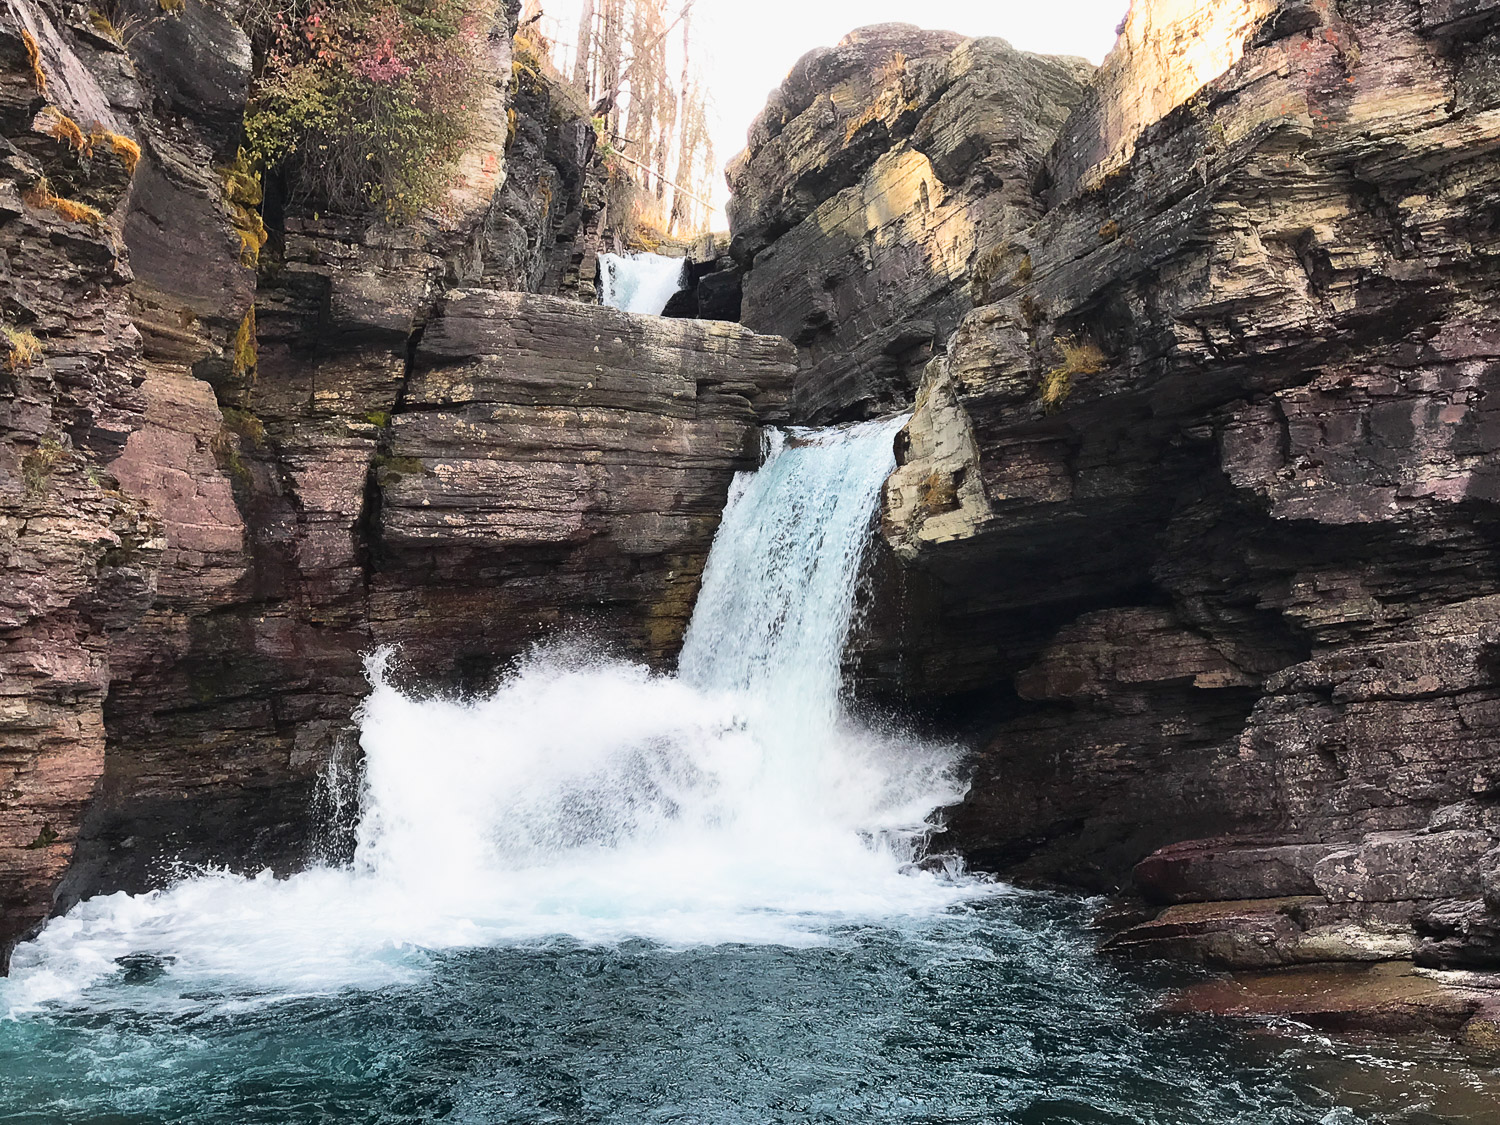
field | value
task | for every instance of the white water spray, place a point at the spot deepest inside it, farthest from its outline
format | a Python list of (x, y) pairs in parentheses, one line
[(587, 799), (640, 283)]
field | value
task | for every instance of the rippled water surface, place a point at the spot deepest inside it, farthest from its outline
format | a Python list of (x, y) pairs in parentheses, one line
[(997, 1012)]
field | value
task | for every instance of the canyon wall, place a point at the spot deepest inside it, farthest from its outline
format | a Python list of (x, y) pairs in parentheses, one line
[(226, 475), (1194, 531), (1195, 526), (879, 181), (1238, 414)]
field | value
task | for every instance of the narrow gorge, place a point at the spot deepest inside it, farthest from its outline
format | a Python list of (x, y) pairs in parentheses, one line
[(1041, 562)]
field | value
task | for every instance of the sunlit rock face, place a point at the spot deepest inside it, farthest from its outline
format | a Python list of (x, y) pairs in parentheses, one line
[(880, 178), (1235, 415), (1167, 52)]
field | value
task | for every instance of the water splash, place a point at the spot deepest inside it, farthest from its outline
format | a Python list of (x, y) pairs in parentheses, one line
[(640, 283), (585, 798)]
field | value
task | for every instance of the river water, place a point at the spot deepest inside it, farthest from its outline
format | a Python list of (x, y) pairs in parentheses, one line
[(603, 895)]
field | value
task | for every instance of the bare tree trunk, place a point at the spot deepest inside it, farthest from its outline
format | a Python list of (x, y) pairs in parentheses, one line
[(611, 61), (691, 139), (641, 116), (585, 50)]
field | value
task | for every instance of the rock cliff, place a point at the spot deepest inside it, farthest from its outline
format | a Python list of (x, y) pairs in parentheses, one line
[(1195, 523), (879, 182), (222, 483), (1194, 530), (1197, 513)]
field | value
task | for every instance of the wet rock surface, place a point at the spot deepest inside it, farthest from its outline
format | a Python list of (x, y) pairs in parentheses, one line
[(1391, 998)]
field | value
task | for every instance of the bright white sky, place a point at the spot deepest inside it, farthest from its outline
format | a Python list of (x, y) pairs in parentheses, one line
[(749, 45)]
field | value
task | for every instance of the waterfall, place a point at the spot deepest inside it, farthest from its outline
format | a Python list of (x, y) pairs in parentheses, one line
[(778, 591), (590, 798), (640, 283)]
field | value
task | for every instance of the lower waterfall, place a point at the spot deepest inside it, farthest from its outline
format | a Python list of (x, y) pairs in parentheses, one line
[(590, 798)]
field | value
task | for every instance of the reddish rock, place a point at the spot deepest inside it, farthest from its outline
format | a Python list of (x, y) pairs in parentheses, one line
[(78, 556), (1390, 998), (1229, 868)]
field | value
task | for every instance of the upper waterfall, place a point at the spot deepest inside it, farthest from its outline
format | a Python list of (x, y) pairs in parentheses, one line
[(639, 283)]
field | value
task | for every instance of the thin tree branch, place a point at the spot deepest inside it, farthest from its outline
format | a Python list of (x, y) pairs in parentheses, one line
[(676, 187), (686, 8)]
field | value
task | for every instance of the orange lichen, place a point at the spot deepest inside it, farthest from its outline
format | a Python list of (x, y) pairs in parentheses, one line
[(34, 54), (42, 198), (76, 212), (60, 126), (126, 149)]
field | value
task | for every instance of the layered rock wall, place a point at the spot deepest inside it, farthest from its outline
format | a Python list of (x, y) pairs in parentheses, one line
[(79, 555), (539, 467), (1200, 509), (880, 183), (223, 481)]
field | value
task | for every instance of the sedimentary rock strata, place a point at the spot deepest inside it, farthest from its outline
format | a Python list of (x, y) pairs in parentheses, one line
[(879, 183), (1205, 495), (209, 513)]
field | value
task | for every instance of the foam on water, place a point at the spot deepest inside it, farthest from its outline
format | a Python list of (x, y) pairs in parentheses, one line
[(586, 799), (639, 283)]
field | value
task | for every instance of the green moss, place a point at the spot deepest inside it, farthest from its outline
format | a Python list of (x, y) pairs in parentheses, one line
[(244, 424), (378, 418), (227, 455), (38, 465), (389, 470), (246, 357), (44, 839)]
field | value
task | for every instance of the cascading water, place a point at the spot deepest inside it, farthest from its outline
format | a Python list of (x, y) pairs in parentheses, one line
[(590, 798), (639, 283), (480, 961)]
